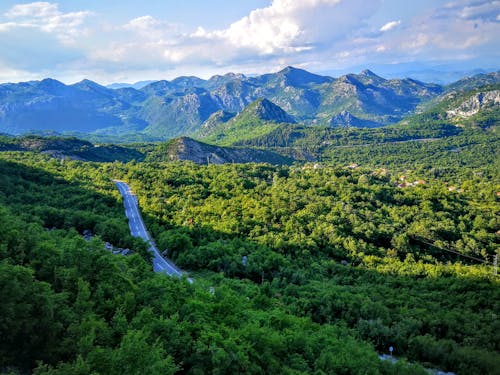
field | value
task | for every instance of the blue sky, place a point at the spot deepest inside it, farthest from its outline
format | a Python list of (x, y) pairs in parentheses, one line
[(127, 41)]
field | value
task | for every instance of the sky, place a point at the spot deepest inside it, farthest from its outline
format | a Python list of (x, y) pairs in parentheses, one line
[(129, 40)]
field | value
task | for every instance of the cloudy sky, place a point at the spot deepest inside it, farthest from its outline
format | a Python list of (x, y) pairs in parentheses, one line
[(130, 40)]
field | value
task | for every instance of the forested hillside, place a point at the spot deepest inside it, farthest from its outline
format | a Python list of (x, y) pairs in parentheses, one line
[(300, 269), (290, 187), (69, 148)]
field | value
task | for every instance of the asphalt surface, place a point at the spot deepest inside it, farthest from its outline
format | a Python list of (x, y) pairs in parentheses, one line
[(138, 229)]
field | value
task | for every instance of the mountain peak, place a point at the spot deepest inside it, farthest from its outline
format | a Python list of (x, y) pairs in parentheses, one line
[(368, 73), (188, 81), (218, 80), (268, 111), (50, 86), (234, 75), (50, 83), (300, 77), (257, 118), (51, 80), (291, 69), (88, 84)]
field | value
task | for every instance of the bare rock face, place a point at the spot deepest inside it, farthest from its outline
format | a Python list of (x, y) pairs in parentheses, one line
[(347, 119), (476, 103), (268, 111), (215, 119), (188, 149)]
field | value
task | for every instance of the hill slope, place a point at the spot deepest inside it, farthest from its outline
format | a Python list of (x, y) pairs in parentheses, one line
[(188, 149), (70, 148), (464, 107), (258, 118), (460, 118)]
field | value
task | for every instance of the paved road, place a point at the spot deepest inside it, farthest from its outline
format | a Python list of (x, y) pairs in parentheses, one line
[(138, 229)]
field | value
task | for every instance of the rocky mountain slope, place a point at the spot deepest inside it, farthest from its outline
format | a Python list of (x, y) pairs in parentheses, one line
[(346, 119), (167, 109), (465, 105), (471, 83), (481, 101), (259, 117), (188, 149)]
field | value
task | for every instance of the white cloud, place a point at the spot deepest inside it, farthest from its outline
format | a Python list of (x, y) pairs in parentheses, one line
[(416, 42), (462, 29), (314, 34), (480, 10), (145, 23), (288, 26), (48, 18), (7, 26), (151, 28), (33, 10), (390, 25), (10, 74), (284, 28)]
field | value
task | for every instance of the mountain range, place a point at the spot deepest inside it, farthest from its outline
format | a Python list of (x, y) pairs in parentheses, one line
[(191, 105), (264, 132)]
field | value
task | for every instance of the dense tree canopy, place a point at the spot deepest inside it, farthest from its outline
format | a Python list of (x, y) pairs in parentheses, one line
[(302, 269)]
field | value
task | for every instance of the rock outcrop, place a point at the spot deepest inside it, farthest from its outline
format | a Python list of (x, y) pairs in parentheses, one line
[(188, 149), (476, 103)]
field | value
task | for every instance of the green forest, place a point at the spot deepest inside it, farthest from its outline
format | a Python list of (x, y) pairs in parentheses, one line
[(313, 268)]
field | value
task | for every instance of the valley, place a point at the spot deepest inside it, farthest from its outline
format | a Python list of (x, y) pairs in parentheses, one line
[(304, 233), (250, 187)]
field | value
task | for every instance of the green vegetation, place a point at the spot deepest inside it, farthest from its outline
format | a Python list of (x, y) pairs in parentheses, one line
[(404, 284), (70, 148), (257, 119), (386, 239), (168, 109), (469, 153), (185, 148), (310, 268), (69, 306), (317, 139)]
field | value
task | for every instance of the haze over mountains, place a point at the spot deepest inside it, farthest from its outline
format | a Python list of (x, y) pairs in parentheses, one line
[(189, 105)]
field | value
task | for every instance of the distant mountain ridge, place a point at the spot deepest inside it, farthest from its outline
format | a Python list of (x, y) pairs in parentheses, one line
[(137, 85), (166, 109)]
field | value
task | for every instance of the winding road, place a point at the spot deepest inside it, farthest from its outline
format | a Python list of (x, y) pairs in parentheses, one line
[(138, 229)]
